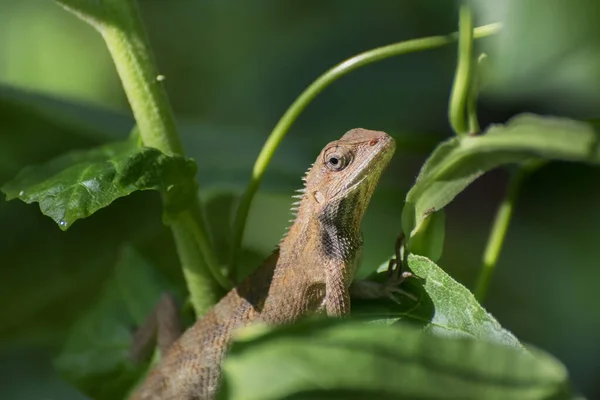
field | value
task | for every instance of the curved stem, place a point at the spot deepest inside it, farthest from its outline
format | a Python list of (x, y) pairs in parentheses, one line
[(500, 227), (462, 77), (310, 93)]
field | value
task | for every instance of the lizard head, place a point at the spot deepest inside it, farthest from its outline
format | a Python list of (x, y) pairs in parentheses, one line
[(349, 167), (338, 188)]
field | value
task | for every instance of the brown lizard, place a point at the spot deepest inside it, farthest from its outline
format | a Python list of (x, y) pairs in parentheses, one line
[(310, 271)]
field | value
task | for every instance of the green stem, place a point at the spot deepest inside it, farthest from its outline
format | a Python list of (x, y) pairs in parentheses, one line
[(500, 227), (128, 45), (462, 77), (87, 10), (473, 122), (204, 291), (310, 93), (121, 27)]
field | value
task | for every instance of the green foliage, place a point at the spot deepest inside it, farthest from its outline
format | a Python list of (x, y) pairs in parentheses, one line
[(79, 183), (456, 163), (442, 306), (349, 360), (443, 335), (95, 356)]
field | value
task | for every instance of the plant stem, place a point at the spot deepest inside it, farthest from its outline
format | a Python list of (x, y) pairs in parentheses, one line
[(476, 83), (462, 77), (87, 10), (292, 113), (500, 227), (204, 290), (128, 45), (120, 25)]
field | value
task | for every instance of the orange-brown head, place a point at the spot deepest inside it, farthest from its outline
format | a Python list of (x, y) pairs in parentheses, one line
[(352, 164), (339, 185)]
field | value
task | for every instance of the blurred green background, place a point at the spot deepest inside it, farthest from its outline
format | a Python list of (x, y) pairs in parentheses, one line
[(232, 68)]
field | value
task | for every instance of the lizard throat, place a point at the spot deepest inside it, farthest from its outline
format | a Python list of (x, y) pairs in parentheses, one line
[(340, 223)]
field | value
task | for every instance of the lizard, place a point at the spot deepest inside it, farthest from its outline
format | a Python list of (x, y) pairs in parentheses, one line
[(310, 272)]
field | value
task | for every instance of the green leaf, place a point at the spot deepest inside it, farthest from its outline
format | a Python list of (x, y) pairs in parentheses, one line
[(443, 306), (79, 183), (457, 312), (95, 355), (458, 162), (335, 359)]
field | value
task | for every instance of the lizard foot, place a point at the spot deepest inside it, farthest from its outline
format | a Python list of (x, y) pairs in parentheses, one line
[(396, 277), (391, 287)]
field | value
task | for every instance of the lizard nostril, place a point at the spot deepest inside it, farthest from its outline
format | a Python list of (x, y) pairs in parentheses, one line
[(373, 142)]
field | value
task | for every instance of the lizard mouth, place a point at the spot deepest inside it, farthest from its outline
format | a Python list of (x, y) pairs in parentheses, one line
[(371, 168)]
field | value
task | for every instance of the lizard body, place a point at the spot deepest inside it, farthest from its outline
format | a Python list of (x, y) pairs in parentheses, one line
[(309, 272)]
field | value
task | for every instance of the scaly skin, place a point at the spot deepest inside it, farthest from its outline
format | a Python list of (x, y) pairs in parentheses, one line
[(310, 272)]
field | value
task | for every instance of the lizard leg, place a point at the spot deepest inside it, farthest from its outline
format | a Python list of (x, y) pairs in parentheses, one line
[(366, 289), (337, 295), (162, 327), (371, 290)]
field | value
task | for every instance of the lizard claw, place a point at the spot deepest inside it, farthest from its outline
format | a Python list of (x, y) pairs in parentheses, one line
[(396, 276), (393, 291), (391, 287), (366, 289)]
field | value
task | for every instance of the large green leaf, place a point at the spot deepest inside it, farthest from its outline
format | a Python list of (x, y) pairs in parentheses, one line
[(349, 360), (442, 306), (459, 161), (95, 355), (77, 184)]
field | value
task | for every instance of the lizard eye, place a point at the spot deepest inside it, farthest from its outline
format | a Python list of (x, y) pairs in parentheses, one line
[(337, 160)]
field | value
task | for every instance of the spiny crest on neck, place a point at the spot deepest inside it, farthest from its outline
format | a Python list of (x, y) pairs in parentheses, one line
[(300, 193)]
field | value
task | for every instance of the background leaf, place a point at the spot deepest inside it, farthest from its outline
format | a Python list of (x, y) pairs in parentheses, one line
[(79, 183), (95, 354), (458, 162), (349, 360)]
